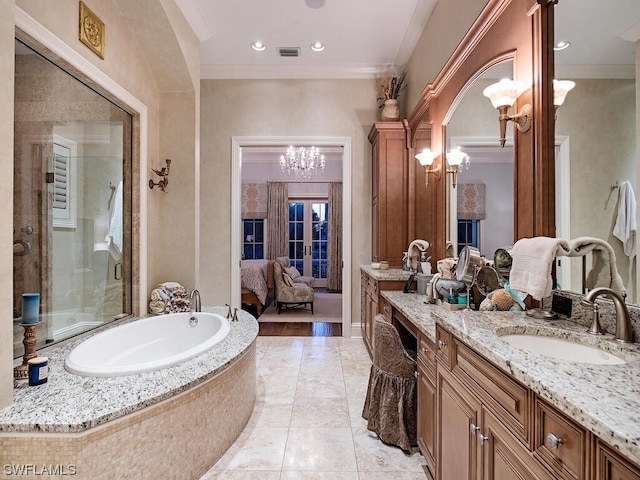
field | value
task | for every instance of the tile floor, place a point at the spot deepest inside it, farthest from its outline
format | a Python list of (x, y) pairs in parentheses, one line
[(307, 422)]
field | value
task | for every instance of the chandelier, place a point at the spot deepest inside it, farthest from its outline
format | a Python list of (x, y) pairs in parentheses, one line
[(302, 162)]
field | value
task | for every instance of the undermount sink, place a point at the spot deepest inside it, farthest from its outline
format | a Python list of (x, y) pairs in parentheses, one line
[(562, 349)]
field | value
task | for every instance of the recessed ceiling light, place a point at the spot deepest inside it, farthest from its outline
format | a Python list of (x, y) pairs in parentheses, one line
[(561, 45), (314, 3), (317, 47), (258, 46)]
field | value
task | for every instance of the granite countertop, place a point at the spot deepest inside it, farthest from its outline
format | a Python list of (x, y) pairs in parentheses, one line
[(390, 274), (605, 399), (72, 403)]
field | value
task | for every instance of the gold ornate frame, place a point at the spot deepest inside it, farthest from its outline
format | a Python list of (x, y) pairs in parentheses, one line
[(91, 30)]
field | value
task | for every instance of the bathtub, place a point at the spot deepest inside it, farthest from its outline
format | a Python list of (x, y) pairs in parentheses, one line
[(147, 344)]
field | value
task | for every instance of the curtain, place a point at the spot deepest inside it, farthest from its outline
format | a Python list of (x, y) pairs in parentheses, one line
[(278, 220), (472, 199), (334, 242), (254, 200)]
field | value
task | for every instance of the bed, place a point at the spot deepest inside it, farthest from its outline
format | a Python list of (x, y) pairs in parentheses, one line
[(257, 284)]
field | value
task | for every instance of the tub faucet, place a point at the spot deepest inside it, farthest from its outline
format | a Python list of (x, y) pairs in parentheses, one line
[(624, 333), (195, 294)]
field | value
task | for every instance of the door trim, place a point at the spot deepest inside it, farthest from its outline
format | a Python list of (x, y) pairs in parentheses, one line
[(237, 142)]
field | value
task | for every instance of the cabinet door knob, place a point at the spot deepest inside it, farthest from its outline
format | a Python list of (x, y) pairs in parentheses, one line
[(482, 438), (441, 344), (554, 442), (424, 350), (473, 429)]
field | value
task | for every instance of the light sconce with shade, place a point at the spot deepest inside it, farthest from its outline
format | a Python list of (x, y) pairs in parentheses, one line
[(455, 159), (426, 158), (560, 90), (503, 95)]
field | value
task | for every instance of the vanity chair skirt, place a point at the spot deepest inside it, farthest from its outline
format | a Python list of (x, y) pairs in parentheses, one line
[(147, 344)]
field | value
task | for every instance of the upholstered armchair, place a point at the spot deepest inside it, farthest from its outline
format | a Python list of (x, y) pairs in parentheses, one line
[(288, 293), (390, 406), (292, 271)]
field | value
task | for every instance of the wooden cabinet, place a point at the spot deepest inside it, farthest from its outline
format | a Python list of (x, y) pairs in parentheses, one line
[(372, 303), (390, 193), (482, 417), (610, 465), (560, 443), (427, 400)]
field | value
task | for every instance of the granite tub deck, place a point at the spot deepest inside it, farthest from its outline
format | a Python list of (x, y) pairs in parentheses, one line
[(170, 423), (605, 399)]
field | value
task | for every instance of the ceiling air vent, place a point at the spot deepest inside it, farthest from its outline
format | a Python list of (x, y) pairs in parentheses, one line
[(289, 51)]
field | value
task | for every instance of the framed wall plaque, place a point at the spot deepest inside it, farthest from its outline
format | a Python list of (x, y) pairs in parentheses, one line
[(91, 30)]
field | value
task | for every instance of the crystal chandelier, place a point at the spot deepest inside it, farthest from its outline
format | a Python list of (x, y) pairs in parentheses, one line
[(302, 162)]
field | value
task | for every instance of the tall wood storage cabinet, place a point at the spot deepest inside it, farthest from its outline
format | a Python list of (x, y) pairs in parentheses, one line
[(390, 193)]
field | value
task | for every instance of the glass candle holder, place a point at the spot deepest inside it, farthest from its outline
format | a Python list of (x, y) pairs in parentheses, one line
[(30, 307)]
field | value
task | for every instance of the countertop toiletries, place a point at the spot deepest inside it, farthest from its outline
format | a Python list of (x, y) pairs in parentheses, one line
[(384, 265), (38, 370), (462, 299), (30, 307), (452, 298)]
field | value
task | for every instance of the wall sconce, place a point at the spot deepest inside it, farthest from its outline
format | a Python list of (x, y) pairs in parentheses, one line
[(503, 95), (560, 90), (164, 173), (455, 158), (426, 158)]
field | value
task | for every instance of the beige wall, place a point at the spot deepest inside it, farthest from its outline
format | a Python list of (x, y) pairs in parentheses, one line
[(448, 24), (340, 108), (149, 50), (6, 200)]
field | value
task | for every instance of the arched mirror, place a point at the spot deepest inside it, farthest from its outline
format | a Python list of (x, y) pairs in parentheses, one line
[(596, 146), (480, 207)]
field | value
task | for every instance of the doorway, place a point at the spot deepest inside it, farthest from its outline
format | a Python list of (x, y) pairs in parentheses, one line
[(344, 143), (308, 236)]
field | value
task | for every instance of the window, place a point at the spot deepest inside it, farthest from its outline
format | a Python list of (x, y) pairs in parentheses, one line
[(467, 234), (253, 235)]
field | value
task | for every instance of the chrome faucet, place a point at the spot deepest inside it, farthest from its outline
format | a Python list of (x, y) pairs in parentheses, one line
[(195, 294), (624, 333)]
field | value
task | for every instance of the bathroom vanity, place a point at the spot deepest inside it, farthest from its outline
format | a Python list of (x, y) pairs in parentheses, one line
[(372, 283), (489, 410)]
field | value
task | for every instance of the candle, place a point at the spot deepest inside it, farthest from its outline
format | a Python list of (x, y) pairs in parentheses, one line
[(30, 307)]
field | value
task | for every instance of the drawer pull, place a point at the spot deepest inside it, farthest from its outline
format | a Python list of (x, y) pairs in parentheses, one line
[(482, 438), (473, 429), (554, 442), (424, 350), (441, 344)]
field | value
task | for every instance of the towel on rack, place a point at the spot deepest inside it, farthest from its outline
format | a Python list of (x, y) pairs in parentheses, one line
[(625, 227), (604, 271), (532, 262), (115, 226)]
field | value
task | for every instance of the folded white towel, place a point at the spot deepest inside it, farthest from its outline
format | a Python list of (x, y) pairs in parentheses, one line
[(532, 262), (625, 227), (604, 271)]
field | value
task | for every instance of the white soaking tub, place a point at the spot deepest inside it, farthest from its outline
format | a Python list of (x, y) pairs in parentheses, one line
[(147, 344)]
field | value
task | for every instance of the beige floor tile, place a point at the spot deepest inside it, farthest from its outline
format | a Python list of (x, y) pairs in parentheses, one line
[(321, 386), (320, 412), (355, 368), (271, 414), (394, 476), (320, 476), (320, 450), (256, 449), (375, 456), (241, 475)]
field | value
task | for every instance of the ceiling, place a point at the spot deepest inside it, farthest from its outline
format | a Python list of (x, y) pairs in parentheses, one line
[(367, 38), (362, 38)]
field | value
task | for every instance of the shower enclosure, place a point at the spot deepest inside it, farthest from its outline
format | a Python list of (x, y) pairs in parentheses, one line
[(72, 201)]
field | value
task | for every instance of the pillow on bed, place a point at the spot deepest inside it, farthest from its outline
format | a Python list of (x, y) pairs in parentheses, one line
[(287, 280), (293, 272)]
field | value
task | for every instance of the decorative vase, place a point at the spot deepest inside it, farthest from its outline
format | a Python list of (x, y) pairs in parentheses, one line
[(390, 111)]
